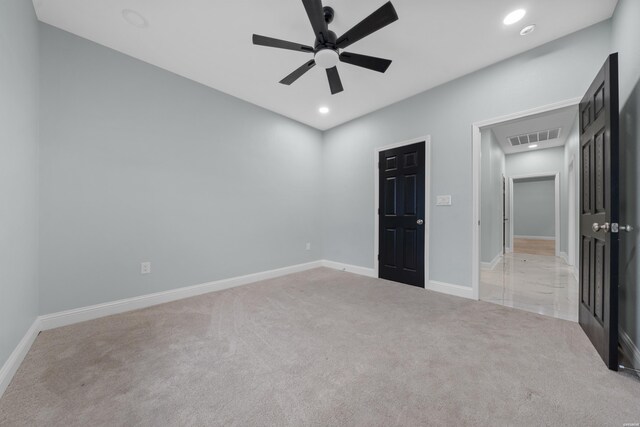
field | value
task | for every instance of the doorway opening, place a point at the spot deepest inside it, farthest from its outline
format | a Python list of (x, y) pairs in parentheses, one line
[(524, 258), (534, 210)]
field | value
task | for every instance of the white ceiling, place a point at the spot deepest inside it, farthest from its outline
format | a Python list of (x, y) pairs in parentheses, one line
[(434, 41), (563, 118)]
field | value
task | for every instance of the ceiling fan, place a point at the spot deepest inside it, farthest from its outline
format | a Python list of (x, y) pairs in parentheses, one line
[(327, 46)]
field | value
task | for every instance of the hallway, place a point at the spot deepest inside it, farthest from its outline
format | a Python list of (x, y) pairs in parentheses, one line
[(536, 283)]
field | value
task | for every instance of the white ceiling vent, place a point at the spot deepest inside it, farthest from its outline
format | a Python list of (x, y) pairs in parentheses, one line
[(535, 137)]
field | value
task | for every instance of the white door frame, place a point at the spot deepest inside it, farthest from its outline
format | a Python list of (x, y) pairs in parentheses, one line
[(476, 140), (427, 203), (571, 221), (556, 208)]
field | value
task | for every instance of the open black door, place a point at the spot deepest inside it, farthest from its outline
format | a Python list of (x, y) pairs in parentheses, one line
[(599, 212), (401, 213)]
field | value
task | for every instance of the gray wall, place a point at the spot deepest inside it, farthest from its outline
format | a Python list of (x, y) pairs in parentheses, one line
[(492, 170), (139, 164), (18, 172), (626, 34), (571, 152), (539, 162), (559, 70), (534, 208)]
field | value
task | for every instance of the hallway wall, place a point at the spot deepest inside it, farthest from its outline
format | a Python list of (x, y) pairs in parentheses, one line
[(534, 208), (492, 169)]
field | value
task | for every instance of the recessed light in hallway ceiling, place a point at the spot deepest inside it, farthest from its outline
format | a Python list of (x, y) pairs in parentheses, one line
[(514, 16), (528, 30), (134, 18)]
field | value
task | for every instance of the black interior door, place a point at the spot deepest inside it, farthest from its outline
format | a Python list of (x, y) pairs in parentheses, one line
[(599, 212), (401, 213)]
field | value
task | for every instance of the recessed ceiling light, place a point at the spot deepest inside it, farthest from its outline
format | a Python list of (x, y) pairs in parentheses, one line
[(323, 110), (533, 145), (514, 16), (134, 18), (527, 30)]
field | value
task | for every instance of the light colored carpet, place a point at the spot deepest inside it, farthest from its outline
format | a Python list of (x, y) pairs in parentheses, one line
[(319, 348)]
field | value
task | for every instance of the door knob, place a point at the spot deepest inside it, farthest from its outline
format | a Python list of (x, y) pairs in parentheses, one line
[(597, 227), (615, 228), (420, 222)]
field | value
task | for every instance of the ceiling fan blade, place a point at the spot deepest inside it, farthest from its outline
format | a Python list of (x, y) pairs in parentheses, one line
[(372, 23), (316, 17), (298, 73), (282, 44), (364, 61), (334, 80)]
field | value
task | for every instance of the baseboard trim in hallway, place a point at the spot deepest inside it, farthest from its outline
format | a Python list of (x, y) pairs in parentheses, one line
[(12, 364), (492, 264)]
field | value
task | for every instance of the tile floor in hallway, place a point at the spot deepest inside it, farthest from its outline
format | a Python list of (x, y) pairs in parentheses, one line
[(537, 283)]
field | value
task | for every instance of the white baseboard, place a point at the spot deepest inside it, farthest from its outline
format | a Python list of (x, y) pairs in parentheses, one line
[(451, 289), (629, 348), (491, 265), (534, 237), (363, 271), (12, 364), (69, 317), (565, 257), (432, 285)]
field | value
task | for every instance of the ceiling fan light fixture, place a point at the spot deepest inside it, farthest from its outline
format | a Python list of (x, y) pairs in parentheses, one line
[(327, 58), (514, 16)]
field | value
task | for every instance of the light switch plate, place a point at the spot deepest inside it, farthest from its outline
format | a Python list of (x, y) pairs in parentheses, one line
[(443, 200)]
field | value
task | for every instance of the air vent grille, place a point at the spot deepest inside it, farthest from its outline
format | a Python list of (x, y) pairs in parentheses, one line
[(535, 137)]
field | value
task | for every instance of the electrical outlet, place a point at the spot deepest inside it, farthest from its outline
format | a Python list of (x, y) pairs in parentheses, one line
[(308, 246), (145, 267)]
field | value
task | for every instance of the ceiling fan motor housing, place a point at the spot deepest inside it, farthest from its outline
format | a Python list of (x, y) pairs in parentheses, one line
[(330, 42)]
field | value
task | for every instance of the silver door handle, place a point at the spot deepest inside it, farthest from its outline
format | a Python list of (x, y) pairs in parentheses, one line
[(420, 222), (597, 227), (616, 228)]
